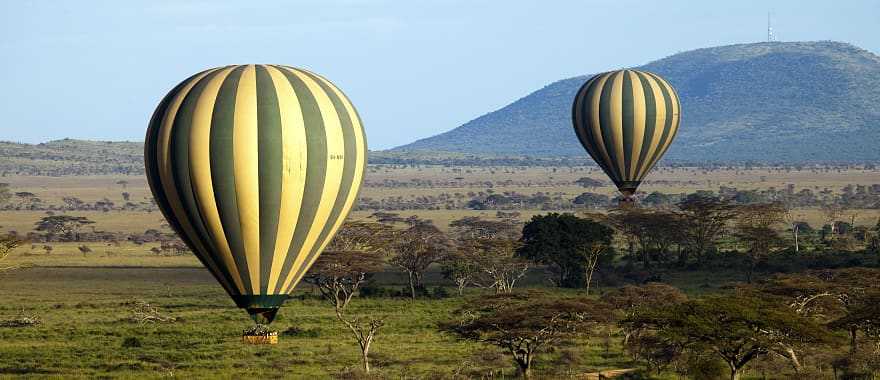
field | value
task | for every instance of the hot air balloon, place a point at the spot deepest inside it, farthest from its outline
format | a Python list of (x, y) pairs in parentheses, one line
[(626, 120), (255, 167)]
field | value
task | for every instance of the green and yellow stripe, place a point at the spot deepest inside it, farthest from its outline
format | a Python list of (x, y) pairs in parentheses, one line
[(626, 120), (256, 167)]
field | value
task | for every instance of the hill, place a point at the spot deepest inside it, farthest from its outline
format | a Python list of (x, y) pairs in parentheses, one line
[(84, 157), (72, 157), (775, 101)]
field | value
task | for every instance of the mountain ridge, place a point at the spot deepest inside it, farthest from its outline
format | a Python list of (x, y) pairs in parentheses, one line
[(769, 101)]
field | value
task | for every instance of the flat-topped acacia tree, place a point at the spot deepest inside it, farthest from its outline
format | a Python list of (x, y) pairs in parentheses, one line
[(736, 329), (630, 301), (705, 217), (844, 298), (67, 226), (485, 254), (416, 248), (354, 254), (756, 227), (525, 323)]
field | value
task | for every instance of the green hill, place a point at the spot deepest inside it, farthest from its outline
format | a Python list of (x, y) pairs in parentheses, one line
[(776, 101)]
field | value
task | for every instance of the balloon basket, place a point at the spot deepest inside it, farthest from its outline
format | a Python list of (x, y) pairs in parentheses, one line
[(259, 334), (269, 338)]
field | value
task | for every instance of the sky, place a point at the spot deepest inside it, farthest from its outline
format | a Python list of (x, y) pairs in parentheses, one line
[(96, 70)]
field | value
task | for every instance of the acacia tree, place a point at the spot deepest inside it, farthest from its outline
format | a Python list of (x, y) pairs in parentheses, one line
[(26, 197), (655, 231), (874, 243), (524, 323), (416, 248), (66, 225), (631, 301), (591, 254), (459, 268), (755, 226), (347, 263), (494, 261), (387, 217), (72, 203), (832, 212), (630, 222), (485, 254), (795, 224), (736, 329), (5, 194), (837, 297), (475, 227), (7, 244), (704, 219), (862, 314)]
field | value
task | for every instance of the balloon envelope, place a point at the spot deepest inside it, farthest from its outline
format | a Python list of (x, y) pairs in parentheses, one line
[(255, 167), (626, 120)]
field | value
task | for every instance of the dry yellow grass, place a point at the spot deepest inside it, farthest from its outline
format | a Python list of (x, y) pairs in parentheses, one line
[(112, 221), (102, 255), (448, 180)]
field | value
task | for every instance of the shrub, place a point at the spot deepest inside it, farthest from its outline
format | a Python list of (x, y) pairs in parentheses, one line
[(131, 342), (373, 291), (21, 320), (301, 333), (440, 292), (705, 368)]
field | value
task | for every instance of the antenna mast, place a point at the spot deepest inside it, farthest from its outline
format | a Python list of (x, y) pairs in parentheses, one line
[(770, 37)]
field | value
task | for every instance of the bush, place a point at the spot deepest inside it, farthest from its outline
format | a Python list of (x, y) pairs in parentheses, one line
[(21, 320), (440, 292), (373, 291), (131, 342), (301, 333), (705, 368)]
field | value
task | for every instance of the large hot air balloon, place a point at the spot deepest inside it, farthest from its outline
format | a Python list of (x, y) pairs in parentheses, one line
[(626, 120), (256, 167)]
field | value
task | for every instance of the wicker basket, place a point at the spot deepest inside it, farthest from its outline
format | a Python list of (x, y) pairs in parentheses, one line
[(271, 338)]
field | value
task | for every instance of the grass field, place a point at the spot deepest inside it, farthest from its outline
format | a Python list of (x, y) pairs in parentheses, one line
[(526, 180), (87, 331), (85, 315), (464, 179)]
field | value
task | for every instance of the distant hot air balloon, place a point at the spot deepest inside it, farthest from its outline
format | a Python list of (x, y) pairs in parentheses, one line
[(626, 120), (256, 167)]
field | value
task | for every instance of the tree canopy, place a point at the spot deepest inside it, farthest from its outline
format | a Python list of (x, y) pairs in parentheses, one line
[(557, 240)]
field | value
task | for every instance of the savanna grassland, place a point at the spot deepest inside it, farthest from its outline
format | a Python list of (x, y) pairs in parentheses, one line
[(87, 300), (410, 183), (88, 330)]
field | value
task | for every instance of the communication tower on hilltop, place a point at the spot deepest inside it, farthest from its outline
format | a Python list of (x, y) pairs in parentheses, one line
[(770, 36)]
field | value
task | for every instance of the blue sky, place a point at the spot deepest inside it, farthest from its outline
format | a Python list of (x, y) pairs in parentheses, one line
[(413, 69)]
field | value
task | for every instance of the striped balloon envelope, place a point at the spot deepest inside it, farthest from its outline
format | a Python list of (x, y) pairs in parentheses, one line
[(256, 167), (626, 120)]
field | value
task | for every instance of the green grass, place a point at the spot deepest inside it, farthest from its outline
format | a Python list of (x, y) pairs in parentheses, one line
[(86, 315), (86, 318)]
